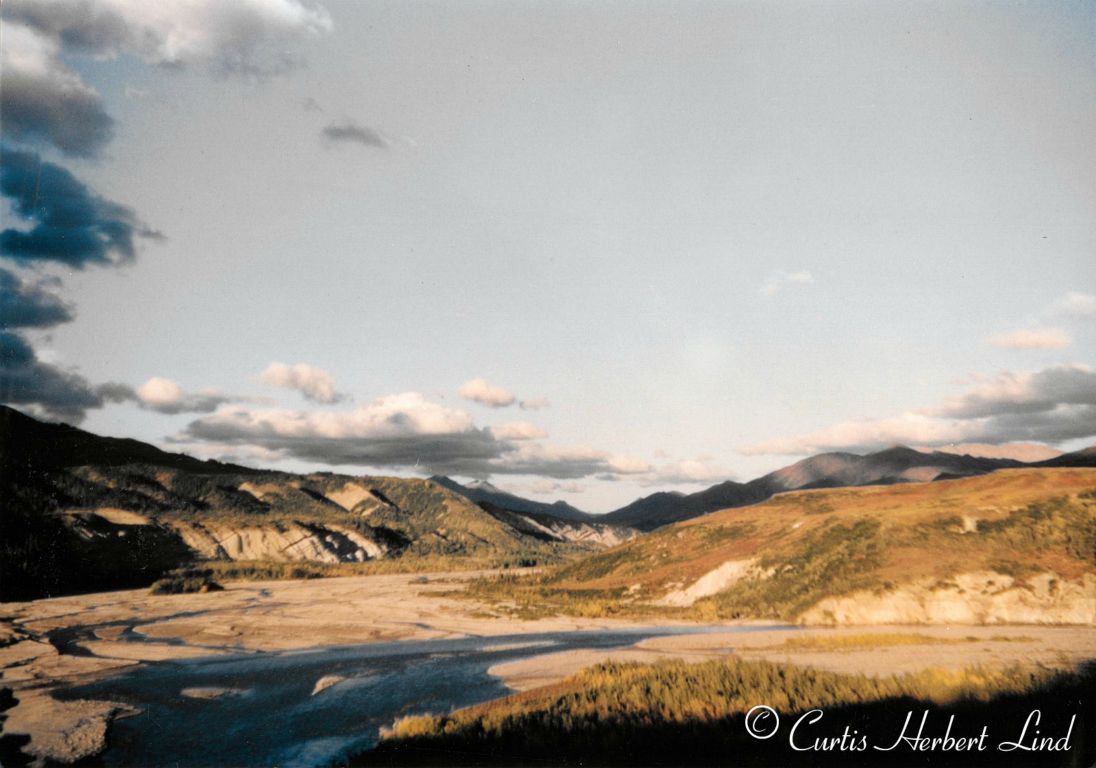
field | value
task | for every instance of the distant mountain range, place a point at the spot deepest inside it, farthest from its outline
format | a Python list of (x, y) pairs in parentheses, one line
[(827, 470)]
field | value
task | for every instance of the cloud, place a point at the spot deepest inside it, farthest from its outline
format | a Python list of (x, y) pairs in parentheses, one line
[(26, 380), (561, 462), (536, 404), (406, 431), (1032, 338), (70, 224), (165, 396), (255, 37), (1051, 406), (685, 472), (550, 487), (349, 131), (402, 430), (45, 102), (782, 278), (314, 383), (29, 305), (479, 391), (517, 430), (1075, 304)]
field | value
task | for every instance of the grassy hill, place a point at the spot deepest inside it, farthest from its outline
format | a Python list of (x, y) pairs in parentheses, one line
[(1032, 529), (826, 470)]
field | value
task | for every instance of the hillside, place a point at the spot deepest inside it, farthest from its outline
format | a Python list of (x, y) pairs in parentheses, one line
[(559, 519), (483, 492), (826, 470), (84, 513), (1015, 545)]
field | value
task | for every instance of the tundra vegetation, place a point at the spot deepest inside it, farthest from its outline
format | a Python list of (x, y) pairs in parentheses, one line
[(676, 713), (805, 546)]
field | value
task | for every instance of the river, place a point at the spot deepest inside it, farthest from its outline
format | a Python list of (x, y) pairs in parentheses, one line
[(261, 709)]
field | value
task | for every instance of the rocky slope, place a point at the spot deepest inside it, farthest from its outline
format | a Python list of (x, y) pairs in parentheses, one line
[(85, 513)]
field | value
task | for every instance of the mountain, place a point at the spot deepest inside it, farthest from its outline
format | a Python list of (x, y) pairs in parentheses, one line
[(827, 470), (663, 508), (85, 513), (483, 492), (28, 444), (1011, 546), (1086, 457), (559, 519)]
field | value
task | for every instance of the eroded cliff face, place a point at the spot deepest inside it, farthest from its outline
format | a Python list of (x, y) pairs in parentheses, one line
[(983, 597), (285, 542)]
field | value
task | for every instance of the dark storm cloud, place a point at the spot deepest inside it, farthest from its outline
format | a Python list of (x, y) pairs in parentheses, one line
[(29, 305), (350, 132), (25, 380), (50, 107), (69, 223)]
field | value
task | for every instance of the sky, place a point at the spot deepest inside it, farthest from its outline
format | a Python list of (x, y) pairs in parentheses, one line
[(587, 251)]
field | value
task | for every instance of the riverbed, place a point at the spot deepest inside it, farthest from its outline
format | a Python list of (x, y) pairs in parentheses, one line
[(309, 708)]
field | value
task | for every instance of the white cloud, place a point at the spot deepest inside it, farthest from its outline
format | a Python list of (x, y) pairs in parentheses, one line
[(688, 471), (250, 36), (782, 278), (1051, 405), (550, 487), (166, 396), (480, 391), (407, 413), (1075, 304), (518, 430), (1033, 338), (314, 383)]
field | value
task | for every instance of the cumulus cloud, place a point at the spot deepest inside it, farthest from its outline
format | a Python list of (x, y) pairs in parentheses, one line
[(1032, 338), (517, 430), (255, 37), (350, 132), (314, 383), (68, 222), (1050, 406), (165, 396), (45, 102), (52, 391), (406, 431), (26, 304), (774, 285), (480, 391)]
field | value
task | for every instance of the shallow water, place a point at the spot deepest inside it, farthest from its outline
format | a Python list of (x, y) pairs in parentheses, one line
[(269, 715)]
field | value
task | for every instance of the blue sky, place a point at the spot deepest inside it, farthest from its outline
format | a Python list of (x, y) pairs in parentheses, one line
[(696, 240)]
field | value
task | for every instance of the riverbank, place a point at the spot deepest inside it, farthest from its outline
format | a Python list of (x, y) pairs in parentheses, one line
[(57, 644)]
